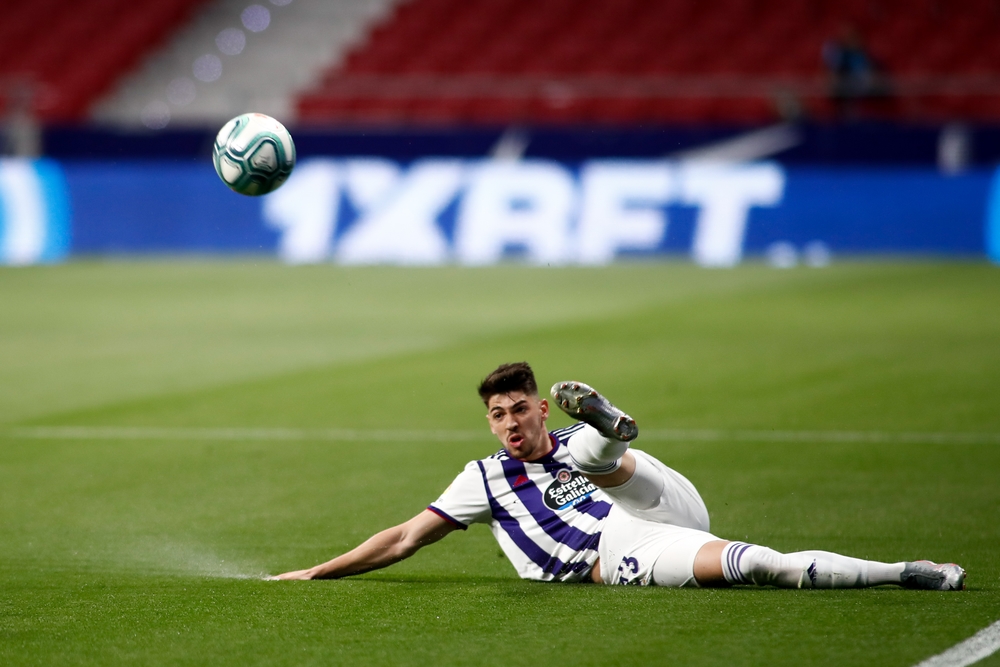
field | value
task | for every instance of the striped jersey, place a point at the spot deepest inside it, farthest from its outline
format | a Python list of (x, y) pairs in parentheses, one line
[(545, 514)]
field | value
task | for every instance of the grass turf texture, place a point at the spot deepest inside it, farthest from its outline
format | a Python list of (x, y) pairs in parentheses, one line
[(143, 549)]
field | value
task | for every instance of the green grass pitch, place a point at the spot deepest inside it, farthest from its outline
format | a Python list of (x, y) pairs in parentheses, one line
[(171, 430)]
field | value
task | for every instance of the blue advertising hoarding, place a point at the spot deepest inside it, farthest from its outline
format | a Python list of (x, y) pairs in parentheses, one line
[(474, 211), (35, 219)]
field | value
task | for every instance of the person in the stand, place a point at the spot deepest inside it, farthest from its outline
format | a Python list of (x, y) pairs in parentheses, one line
[(855, 75)]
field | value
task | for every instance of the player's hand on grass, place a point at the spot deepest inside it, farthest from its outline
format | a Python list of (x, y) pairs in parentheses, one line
[(299, 575)]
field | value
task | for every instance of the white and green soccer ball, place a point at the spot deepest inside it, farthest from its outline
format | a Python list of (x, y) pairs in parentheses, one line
[(253, 154)]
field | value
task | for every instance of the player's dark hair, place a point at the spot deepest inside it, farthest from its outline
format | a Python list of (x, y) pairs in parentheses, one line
[(507, 378)]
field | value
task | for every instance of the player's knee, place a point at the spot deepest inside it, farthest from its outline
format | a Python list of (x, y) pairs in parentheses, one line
[(643, 490), (673, 572)]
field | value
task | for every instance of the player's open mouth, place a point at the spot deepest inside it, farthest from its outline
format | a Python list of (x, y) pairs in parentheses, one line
[(515, 440)]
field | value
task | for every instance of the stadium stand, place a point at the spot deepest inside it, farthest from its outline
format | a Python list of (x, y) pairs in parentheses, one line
[(628, 61), (58, 56), (264, 54), (492, 62)]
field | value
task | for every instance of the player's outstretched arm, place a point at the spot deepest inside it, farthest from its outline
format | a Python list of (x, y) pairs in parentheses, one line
[(382, 549)]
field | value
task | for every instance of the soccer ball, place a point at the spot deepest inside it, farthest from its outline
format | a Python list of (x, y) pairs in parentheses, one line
[(253, 154)]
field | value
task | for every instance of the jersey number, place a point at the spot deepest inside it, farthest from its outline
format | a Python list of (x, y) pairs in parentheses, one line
[(627, 570)]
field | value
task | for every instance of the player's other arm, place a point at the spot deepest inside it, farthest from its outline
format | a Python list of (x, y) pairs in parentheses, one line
[(382, 549)]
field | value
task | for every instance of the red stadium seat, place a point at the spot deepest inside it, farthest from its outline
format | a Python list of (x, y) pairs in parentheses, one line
[(380, 110), (763, 45), (57, 43), (682, 110), (439, 110), (500, 110), (320, 108), (560, 110)]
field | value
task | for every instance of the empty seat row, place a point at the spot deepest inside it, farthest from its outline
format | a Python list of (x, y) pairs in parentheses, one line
[(624, 110), (685, 40), (68, 53)]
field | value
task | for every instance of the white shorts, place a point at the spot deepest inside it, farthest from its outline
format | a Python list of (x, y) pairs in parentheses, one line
[(632, 540), (630, 546)]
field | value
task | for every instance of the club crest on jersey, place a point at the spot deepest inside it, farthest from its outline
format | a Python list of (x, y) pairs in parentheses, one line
[(567, 489)]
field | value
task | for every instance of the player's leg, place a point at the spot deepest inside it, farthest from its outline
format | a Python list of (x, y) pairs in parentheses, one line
[(721, 563), (649, 489), (633, 479), (601, 451)]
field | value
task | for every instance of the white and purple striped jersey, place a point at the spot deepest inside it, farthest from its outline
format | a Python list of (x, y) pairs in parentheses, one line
[(546, 515)]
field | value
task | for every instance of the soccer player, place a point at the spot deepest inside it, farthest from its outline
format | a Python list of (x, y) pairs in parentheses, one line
[(578, 504)]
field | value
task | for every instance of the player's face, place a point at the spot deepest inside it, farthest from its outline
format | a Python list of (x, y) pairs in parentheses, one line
[(518, 420)]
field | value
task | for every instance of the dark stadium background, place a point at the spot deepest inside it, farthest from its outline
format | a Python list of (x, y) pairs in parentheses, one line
[(910, 90), (592, 78)]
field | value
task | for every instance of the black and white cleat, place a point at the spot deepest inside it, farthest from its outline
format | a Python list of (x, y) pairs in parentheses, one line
[(586, 404)]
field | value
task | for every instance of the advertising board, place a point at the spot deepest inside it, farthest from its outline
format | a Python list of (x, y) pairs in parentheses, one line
[(474, 212)]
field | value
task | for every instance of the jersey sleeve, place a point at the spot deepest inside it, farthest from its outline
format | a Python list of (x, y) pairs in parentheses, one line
[(464, 502)]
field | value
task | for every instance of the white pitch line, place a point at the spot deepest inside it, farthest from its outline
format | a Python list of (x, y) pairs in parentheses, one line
[(981, 645), (210, 433), (402, 435), (944, 438)]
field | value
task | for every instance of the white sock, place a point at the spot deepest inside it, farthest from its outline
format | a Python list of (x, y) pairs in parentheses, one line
[(751, 564), (593, 453)]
